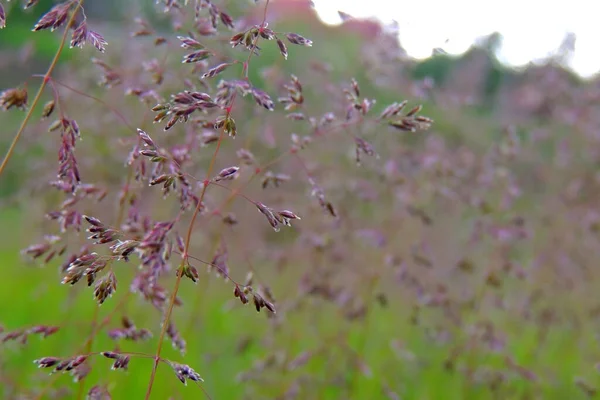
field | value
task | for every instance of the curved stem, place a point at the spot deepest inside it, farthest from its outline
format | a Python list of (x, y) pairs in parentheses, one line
[(191, 226), (98, 100), (234, 192), (38, 95), (179, 274)]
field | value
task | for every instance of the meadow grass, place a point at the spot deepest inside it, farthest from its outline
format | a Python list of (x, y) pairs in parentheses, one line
[(444, 256), (395, 350)]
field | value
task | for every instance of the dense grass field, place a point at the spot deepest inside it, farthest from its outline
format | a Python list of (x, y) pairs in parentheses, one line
[(446, 248), (386, 352)]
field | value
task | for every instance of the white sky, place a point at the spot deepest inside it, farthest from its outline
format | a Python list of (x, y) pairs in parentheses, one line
[(531, 29)]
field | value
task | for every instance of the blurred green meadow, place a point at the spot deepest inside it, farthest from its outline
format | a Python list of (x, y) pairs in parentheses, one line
[(224, 340)]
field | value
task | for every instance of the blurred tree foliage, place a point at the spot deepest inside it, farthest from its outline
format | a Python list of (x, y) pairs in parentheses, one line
[(436, 67), (496, 72), (439, 66)]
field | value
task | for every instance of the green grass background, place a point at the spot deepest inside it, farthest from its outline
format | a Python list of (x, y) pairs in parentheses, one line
[(214, 325)]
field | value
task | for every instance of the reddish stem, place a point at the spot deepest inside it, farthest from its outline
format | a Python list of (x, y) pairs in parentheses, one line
[(189, 235)]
